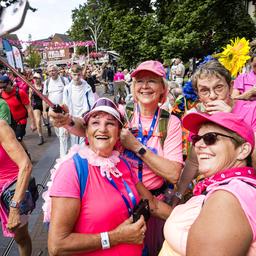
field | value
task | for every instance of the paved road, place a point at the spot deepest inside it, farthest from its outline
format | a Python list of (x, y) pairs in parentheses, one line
[(43, 159)]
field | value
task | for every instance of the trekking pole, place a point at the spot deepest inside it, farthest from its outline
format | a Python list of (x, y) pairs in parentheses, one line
[(55, 107)]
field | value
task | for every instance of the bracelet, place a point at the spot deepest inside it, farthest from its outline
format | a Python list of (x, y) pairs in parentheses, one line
[(104, 240), (178, 195)]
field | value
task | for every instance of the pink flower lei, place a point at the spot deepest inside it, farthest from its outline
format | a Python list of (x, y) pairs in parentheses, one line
[(107, 165)]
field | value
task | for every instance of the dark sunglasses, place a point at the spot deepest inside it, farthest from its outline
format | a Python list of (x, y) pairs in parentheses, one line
[(209, 138)]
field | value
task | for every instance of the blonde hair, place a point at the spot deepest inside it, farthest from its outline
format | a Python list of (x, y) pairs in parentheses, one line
[(163, 97)]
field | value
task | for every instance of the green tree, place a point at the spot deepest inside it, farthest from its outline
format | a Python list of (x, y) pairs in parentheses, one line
[(202, 27), (33, 59)]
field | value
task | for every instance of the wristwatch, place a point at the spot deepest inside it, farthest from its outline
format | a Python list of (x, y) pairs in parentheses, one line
[(141, 151), (14, 204)]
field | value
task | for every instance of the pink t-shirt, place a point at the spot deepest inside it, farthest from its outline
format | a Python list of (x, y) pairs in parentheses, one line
[(118, 76), (183, 216), (8, 169), (245, 82), (102, 207), (247, 110), (172, 148)]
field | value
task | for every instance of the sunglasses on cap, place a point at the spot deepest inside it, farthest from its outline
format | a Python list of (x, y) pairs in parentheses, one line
[(209, 138), (104, 102)]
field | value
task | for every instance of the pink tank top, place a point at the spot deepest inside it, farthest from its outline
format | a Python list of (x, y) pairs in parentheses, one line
[(183, 216), (8, 169)]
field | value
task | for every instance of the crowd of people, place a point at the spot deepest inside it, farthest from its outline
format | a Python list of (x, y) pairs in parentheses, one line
[(118, 152)]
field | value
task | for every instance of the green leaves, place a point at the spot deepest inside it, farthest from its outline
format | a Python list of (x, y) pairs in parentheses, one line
[(140, 30)]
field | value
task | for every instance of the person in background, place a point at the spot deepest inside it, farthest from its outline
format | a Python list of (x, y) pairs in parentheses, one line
[(245, 84), (20, 108), (220, 218), (53, 89), (98, 221), (212, 83), (78, 97), (119, 86), (37, 105), (179, 72), (14, 165)]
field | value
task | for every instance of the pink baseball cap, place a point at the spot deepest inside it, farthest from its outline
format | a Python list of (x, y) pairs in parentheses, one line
[(232, 122), (104, 105), (153, 66)]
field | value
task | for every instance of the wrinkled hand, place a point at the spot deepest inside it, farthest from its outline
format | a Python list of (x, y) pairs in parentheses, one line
[(132, 233), (60, 119), (128, 140), (13, 219), (246, 95), (217, 106)]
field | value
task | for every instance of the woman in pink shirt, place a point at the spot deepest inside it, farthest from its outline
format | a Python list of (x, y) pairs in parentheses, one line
[(245, 84), (220, 219), (98, 222), (14, 165)]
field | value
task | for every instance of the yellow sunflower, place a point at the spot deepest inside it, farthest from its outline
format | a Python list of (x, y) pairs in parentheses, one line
[(234, 55)]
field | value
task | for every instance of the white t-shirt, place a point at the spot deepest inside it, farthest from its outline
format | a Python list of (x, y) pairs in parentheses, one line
[(77, 99), (55, 89)]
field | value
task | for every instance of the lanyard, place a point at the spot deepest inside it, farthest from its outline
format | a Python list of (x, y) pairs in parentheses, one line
[(145, 138), (129, 192)]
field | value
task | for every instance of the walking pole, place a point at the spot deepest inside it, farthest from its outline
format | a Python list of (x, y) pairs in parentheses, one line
[(56, 107)]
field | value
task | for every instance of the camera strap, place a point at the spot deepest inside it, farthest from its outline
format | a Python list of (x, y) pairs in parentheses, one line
[(129, 192), (145, 138)]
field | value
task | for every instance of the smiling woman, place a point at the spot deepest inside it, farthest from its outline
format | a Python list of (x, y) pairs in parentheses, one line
[(221, 207), (98, 221)]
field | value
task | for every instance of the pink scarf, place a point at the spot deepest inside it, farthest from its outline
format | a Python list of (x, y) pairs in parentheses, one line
[(246, 172)]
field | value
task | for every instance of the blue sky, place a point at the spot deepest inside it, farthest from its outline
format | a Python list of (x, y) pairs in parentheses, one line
[(52, 16)]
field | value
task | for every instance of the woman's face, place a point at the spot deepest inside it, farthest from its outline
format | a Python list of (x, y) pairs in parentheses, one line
[(148, 88), (213, 88), (102, 133), (219, 156)]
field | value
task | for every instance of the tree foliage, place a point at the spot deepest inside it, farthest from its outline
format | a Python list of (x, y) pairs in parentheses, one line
[(34, 59), (163, 29)]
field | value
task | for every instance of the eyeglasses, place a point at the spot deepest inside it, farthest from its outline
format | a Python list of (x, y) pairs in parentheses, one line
[(205, 92), (209, 138), (150, 82)]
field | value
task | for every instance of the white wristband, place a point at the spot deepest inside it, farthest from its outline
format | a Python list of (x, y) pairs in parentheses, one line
[(104, 240)]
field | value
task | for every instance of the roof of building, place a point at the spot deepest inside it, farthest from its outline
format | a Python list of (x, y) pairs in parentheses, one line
[(64, 38)]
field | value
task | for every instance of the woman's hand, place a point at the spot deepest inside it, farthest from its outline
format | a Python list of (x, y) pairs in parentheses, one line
[(246, 95), (60, 119), (129, 141), (129, 233), (217, 106), (13, 219)]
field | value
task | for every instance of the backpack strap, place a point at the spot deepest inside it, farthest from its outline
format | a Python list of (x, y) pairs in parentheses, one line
[(62, 80), (163, 124), (82, 172), (17, 95), (87, 99), (47, 85)]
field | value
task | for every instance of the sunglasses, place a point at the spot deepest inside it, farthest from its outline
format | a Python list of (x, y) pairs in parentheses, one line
[(209, 138)]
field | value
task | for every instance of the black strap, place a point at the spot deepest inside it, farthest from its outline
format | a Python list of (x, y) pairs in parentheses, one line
[(159, 191)]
